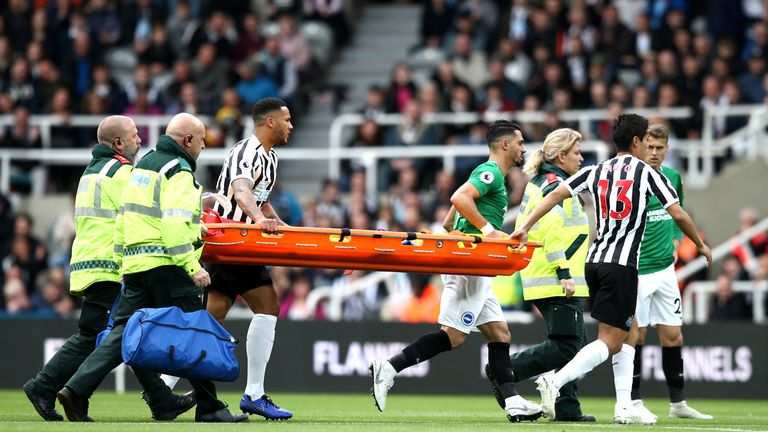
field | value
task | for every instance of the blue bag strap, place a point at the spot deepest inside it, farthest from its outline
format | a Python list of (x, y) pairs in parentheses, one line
[(110, 320)]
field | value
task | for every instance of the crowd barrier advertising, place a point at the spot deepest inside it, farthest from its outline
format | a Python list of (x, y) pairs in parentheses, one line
[(722, 360)]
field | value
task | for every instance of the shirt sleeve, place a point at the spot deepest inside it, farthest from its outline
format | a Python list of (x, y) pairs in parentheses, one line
[(485, 180), (660, 187), (578, 183), (246, 164)]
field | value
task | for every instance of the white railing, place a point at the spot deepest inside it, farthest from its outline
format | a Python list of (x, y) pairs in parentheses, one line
[(722, 250), (697, 299), (215, 156), (583, 117), (397, 285)]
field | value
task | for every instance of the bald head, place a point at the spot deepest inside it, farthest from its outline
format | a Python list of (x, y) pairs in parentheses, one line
[(189, 132), (120, 134), (112, 127)]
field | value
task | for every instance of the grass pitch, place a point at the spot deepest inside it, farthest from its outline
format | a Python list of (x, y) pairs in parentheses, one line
[(356, 412)]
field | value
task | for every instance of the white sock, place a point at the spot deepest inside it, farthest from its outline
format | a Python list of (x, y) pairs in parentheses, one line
[(258, 348), (169, 380), (585, 360), (623, 366)]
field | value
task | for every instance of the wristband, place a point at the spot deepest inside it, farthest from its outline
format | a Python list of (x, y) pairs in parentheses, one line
[(487, 229)]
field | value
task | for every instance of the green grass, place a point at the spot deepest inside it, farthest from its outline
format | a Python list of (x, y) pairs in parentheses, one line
[(337, 413)]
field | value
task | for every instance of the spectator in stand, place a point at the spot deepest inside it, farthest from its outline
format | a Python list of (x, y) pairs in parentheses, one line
[(641, 97), (48, 81), (6, 227), (249, 41), (332, 13), (20, 134), (220, 31), (445, 79), (184, 32), (142, 80), (402, 90), (19, 85), (104, 21), (108, 89), (293, 44), (424, 304), (62, 134), (329, 204), (429, 96), (751, 81), (211, 75), (157, 53), (374, 104), (280, 69), (757, 245), (180, 75), (727, 304), (469, 65), (253, 85), (228, 117), (733, 269), (138, 17), (436, 21), (15, 296), (187, 102), (51, 295)]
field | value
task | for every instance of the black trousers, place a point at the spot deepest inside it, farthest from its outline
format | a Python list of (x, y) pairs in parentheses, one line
[(566, 335), (159, 287), (98, 300)]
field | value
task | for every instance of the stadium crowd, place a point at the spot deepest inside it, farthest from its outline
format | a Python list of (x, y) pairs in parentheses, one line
[(487, 56)]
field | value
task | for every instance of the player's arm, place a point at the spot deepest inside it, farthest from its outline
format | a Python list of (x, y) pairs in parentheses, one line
[(544, 206), (269, 211), (684, 221), (449, 218), (464, 201), (241, 188)]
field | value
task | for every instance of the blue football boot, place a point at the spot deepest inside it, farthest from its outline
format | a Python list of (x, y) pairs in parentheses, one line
[(264, 407)]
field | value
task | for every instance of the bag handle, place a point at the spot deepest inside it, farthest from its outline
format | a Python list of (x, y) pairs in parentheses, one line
[(111, 319), (199, 359)]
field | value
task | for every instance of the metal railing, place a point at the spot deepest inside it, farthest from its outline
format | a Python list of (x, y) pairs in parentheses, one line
[(752, 139), (697, 298), (722, 250)]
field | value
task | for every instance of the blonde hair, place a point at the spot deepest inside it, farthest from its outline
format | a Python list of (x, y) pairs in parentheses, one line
[(558, 141)]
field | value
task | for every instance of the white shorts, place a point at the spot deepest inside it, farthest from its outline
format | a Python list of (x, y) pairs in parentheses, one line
[(658, 299), (467, 302)]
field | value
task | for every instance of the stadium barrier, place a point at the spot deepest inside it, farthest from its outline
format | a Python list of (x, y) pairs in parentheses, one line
[(723, 360)]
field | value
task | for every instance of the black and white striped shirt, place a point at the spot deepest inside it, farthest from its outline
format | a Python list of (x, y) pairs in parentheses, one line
[(249, 160), (621, 187)]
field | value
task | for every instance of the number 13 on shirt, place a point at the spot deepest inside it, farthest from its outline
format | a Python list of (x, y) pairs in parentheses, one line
[(624, 187)]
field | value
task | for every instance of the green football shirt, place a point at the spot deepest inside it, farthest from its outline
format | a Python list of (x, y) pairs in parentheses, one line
[(657, 249), (493, 201)]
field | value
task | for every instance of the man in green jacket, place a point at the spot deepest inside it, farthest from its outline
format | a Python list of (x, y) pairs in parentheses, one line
[(94, 274), (158, 258)]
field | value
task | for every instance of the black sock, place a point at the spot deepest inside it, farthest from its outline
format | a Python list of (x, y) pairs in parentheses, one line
[(672, 363), (425, 347), (501, 366), (637, 374)]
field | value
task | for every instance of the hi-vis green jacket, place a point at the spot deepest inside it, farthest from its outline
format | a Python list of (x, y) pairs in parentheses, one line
[(159, 220), (96, 206), (564, 232)]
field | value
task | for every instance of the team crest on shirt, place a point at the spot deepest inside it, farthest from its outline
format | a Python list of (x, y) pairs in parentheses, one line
[(245, 164), (467, 318), (486, 177)]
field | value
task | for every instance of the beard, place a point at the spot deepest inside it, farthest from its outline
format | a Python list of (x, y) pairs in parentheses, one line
[(520, 162)]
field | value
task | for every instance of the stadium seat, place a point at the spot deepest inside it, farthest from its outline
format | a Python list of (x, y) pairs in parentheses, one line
[(320, 38)]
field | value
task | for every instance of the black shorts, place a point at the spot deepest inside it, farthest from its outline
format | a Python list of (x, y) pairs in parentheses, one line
[(233, 280), (613, 293)]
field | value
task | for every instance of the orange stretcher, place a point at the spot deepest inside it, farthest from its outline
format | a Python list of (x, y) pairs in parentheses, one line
[(231, 242)]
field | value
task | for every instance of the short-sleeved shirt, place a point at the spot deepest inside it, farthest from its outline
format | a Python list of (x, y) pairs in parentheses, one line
[(657, 250), (493, 201), (621, 188), (249, 160)]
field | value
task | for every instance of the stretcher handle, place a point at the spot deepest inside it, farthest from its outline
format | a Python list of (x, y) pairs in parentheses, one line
[(375, 234)]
